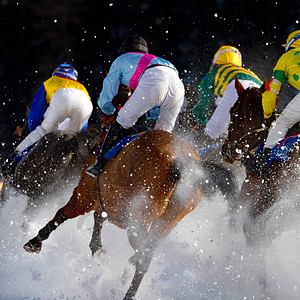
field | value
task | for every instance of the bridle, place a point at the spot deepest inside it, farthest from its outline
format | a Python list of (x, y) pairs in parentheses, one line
[(238, 142)]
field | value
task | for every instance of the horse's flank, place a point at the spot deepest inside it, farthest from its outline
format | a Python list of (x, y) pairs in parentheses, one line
[(147, 159)]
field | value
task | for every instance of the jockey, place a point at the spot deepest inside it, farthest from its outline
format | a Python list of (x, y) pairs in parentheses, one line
[(219, 83), (69, 108), (155, 82), (286, 69)]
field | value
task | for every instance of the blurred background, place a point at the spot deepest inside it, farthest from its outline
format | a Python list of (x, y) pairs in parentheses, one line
[(37, 35)]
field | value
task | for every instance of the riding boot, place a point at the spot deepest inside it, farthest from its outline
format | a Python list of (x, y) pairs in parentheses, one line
[(114, 134), (260, 164), (9, 165)]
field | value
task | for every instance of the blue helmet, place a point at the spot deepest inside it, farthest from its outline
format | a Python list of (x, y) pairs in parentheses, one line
[(66, 70)]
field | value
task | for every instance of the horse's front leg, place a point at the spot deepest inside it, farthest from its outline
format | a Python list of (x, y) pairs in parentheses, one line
[(95, 244), (71, 210), (35, 244)]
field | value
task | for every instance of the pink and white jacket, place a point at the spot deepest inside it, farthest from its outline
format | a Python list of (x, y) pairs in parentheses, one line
[(126, 69)]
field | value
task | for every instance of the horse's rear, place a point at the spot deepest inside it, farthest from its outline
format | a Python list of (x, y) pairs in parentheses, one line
[(140, 188), (138, 184), (141, 179)]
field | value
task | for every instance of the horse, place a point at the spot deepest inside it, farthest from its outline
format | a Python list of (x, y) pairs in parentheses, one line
[(258, 192), (150, 185), (54, 161)]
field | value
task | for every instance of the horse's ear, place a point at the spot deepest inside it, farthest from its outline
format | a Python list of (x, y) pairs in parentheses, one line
[(263, 87), (238, 86)]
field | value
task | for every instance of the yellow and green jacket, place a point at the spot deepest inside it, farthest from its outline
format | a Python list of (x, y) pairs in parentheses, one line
[(214, 84), (286, 69), (44, 96)]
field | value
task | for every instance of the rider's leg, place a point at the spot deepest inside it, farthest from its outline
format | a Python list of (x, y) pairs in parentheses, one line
[(134, 108), (288, 117), (115, 133)]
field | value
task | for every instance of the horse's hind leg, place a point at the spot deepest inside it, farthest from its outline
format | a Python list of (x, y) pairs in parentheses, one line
[(95, 244), (145, 242), (135, 283), (138, 239)]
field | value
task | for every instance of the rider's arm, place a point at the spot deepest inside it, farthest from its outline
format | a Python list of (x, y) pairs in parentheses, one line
[(110, 88), (273, 87), (201, 108), (37, 108)]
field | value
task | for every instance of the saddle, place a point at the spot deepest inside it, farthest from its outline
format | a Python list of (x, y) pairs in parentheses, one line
[(282, 149), (120, 144)]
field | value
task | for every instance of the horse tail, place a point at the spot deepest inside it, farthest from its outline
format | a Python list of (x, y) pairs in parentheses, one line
[(219, 178), (208, 176)]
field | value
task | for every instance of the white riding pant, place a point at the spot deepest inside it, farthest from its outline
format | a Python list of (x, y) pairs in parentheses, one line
[(219, 121), (289, 116), (158, 86), (65, 103)]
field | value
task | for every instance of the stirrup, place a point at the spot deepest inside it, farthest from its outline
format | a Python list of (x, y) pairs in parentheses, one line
[(95, 169)]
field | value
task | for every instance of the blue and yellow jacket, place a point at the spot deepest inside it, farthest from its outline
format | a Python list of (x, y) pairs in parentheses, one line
[(44, 96), (214, 83)]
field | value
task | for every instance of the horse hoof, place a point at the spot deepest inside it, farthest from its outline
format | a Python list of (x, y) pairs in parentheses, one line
[(98, 252), (33, 248)]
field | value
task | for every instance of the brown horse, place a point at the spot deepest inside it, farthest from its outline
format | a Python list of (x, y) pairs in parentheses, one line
[(53, 162), (147, 188), (245, 133)]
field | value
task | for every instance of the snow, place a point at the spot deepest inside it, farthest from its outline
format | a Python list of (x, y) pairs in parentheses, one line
[(201, 259)]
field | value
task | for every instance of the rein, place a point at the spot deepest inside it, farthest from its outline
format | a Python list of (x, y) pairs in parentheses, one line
[(253, 146), (258, 141), (103, 211)]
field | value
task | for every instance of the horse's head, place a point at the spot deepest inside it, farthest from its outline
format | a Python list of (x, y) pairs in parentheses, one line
[(246, 116)]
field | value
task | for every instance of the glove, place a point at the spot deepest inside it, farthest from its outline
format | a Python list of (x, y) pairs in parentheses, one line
[(268, 121)]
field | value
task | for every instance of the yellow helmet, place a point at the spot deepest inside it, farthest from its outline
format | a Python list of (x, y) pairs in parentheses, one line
[(293, 40), (227, 55)]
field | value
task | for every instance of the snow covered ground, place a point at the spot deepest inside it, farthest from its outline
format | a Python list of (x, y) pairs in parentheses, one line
[(201, 259)]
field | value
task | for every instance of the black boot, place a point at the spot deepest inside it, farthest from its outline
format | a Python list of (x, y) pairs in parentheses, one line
[(114, 134), (260, 164), (9, 166)]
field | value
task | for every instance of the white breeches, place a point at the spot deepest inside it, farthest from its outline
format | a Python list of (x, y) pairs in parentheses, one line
[(289, 116), (65, 103), (158, 86), (219, 121)]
